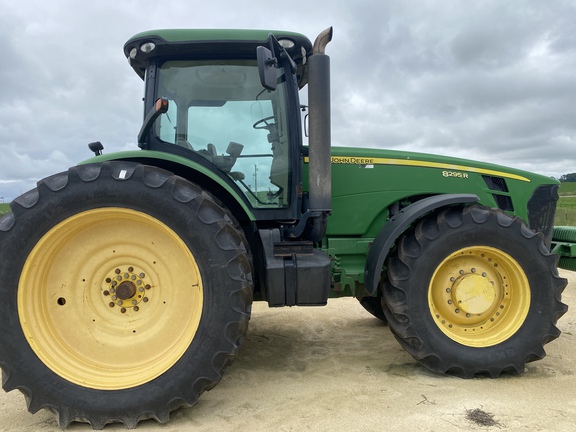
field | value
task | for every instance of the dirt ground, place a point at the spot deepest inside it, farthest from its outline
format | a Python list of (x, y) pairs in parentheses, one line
[(338, 369)]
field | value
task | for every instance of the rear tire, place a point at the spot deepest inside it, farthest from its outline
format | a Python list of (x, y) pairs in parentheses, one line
[(473, 291), (125, 287)]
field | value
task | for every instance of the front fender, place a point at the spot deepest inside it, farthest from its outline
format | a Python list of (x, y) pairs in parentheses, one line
[(388, 235)]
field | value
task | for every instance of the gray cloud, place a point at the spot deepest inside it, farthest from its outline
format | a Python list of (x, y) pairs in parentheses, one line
[(487, 80)]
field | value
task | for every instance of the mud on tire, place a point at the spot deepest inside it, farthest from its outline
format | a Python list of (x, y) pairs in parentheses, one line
[(473, 291), (124, 288)]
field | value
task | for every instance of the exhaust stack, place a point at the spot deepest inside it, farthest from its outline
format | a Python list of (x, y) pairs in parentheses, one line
[(320, 186)]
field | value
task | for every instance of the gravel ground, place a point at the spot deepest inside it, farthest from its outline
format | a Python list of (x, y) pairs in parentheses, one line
[(336, 368)]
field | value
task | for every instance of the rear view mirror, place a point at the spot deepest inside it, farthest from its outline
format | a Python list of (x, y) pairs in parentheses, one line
[(266, 67)]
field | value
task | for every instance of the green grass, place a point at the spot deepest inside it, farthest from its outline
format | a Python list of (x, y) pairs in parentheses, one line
[(566, 209), (567, 188), (4, 208)]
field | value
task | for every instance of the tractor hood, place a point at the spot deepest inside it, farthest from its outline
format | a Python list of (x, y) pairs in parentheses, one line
[(445, 166), (365, 181)]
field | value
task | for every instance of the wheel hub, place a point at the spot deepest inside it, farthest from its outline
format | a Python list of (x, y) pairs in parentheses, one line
[(127, 287), (473, 293), (126, 290)]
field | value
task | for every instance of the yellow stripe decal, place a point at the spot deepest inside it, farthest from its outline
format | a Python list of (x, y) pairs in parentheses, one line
[(362, 160)]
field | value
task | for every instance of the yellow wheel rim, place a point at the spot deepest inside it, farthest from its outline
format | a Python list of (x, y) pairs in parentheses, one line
[(479, 296), (110, 298)]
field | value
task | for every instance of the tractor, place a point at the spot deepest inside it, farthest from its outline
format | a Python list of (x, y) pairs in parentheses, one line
[(126, 282)]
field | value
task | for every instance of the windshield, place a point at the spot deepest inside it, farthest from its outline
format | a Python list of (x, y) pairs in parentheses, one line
[(221, 111)]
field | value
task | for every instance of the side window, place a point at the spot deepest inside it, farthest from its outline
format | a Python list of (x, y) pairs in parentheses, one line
[(220, 110), (261, 170)]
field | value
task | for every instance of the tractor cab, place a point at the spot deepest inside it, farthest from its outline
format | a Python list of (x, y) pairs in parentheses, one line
[(222, 113)]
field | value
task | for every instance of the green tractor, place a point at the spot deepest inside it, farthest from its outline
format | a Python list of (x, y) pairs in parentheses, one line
[(126, 283)]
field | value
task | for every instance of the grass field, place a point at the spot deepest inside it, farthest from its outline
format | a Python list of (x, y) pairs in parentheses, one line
[(566, 210), (567, 188), (4, 208)]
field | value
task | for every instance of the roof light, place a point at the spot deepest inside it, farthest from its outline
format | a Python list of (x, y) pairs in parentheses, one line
[(286, 43), (147, 47)]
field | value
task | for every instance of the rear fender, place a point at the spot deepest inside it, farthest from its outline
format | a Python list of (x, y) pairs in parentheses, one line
[(388, 235), (184, 167)]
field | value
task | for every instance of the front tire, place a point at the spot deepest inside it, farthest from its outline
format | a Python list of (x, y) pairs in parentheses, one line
[(473, 291), (125, 287)]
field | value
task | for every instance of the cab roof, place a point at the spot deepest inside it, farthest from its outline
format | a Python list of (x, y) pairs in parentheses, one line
[(204, 44)]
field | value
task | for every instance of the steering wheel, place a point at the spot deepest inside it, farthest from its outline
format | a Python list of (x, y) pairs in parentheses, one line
[(263, 123)]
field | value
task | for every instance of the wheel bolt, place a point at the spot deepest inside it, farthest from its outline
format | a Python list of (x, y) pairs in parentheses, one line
[(119, 302), (123, 310), (457, 311), (106, 293), (142, 275), (136, 308), (111, 304), (130, 269), (108, 280), (473, 270), (134, 302), (148, 286), (117, 271), (145, 299)]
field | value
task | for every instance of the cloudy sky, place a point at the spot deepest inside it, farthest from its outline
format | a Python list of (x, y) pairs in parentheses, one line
[(485, 79)]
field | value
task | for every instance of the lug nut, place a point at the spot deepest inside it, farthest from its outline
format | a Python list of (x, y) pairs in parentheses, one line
[(117, 271), (111, 304), (123, 310), (106, 293), (130, 269)]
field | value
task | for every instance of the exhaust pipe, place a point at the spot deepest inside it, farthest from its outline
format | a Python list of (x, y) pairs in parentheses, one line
[(320, 182)]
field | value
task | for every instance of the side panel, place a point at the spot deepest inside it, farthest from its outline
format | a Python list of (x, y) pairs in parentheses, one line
[(366, 182)]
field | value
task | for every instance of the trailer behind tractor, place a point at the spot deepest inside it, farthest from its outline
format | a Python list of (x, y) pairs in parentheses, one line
[(126, 282)]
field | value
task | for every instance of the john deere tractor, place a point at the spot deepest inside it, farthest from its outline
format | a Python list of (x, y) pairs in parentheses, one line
[(126, 283)]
